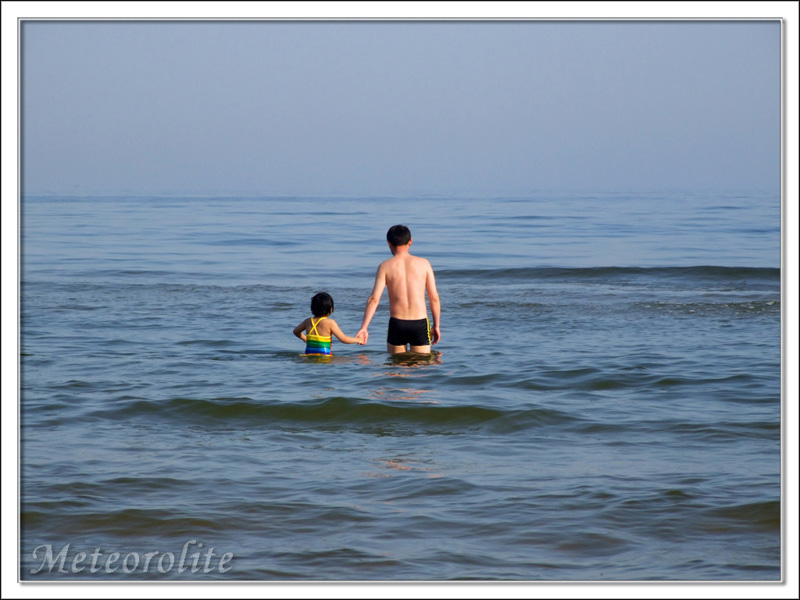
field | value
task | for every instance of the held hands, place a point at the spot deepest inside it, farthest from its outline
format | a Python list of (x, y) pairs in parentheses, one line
[(362, 336)]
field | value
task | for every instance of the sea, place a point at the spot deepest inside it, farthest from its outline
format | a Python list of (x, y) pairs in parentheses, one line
[(604, 403)]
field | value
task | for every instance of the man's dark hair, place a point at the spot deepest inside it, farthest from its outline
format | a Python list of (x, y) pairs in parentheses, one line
[(321, 304), (398, 235)]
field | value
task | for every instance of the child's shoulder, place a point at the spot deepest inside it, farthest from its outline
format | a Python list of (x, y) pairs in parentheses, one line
[(319, 321)]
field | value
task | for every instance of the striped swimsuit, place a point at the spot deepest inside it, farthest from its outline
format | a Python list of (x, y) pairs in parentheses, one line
[(315, 343)]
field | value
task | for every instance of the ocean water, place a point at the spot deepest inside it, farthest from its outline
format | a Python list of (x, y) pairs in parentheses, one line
[(604, 403)]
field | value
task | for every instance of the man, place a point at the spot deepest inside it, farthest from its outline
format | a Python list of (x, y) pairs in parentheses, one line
[(408, 278)]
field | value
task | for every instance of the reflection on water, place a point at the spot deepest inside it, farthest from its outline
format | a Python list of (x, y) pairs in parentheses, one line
[(409, 464), (412, 359), (402, 394), (411, 365), (361, 359)]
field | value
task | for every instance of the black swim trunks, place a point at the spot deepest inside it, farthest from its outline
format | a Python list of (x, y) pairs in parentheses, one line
[(402, 332)]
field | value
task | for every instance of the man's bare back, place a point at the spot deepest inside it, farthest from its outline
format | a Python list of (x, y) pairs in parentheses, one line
[(407, 278)]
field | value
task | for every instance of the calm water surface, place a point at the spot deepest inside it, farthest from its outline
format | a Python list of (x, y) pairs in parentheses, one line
[(604, 404)]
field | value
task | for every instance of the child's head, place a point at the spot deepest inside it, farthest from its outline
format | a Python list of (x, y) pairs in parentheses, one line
[(398, 235), (321, 304)]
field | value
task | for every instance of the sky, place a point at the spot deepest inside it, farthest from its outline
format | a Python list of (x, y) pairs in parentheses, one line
[(399, 108)]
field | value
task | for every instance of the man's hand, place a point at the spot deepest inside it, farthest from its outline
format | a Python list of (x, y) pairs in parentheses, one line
[(437, 335), (362, 336)]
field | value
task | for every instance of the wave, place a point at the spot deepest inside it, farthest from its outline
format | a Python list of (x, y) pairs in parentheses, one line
[(337, 411), (137, 286), (764, 516), (701, 309), (119, 522), (573, 274)]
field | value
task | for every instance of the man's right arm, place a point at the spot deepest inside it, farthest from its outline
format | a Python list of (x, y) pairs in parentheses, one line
[(372, 303)]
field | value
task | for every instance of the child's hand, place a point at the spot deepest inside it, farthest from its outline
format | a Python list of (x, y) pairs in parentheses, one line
[(362, 336)]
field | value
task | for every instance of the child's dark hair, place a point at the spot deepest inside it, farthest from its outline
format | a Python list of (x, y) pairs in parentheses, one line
[(398, 235), (321, 304)]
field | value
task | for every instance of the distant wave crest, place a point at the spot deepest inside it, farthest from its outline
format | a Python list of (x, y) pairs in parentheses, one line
[(609, 273)]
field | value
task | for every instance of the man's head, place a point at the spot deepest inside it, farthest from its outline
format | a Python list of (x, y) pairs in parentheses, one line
[(398, 235), (321, 304)]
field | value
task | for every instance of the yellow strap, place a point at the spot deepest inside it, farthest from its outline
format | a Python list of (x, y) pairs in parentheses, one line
[(314, 328)]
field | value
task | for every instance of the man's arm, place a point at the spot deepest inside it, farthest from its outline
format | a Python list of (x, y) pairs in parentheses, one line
[(436, 307), (372, 303)]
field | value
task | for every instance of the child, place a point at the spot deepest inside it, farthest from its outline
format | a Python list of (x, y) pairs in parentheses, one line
[(316, 333)]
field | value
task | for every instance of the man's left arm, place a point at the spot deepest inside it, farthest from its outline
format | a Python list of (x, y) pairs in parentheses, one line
[(436, 307)]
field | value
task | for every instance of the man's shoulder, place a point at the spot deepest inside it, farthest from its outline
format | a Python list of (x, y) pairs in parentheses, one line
[(422, 260)]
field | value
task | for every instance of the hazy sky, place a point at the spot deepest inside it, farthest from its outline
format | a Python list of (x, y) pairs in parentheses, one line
[(399, 108)]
